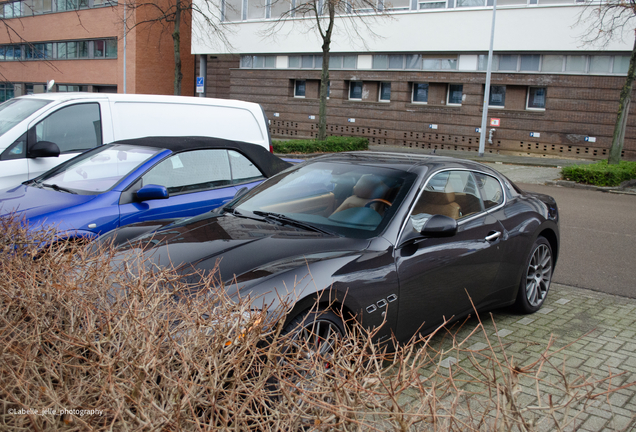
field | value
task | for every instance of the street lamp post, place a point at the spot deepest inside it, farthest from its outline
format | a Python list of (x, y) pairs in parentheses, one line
[(484, 114)]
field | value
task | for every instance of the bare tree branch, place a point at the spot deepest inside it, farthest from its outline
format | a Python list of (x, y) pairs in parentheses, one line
[(606, 21), (350, 18)]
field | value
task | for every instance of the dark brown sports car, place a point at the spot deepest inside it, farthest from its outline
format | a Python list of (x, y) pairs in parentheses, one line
[(398, 238)]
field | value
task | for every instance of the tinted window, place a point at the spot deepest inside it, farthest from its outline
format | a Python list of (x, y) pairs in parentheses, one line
[(191, 171), (351, 200), (448, 193), (490, 190), (243, 170), (72, 128)]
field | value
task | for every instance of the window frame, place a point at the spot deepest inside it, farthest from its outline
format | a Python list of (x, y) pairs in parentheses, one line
[(296, 82), (380, 87), (460, 221), (351, 83), (490, 97), (448, 93), (528, 98), (413, 93), (197, 190)]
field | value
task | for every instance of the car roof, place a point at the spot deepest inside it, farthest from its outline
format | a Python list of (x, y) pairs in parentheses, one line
[(406, 161), (264, 160)]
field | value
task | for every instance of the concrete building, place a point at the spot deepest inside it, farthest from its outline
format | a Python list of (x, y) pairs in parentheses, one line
[(79, 44), (417, 77)]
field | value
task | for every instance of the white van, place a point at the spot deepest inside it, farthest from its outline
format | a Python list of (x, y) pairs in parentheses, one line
[(75, 122)]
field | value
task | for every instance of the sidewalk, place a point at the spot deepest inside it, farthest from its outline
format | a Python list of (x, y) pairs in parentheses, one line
[(519, 169), (595, 335)]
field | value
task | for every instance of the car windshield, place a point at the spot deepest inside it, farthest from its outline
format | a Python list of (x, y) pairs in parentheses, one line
[(98, 170), (14, 111), (347, 199)]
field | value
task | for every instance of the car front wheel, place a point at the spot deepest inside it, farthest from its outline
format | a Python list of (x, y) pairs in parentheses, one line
[(535, 281)]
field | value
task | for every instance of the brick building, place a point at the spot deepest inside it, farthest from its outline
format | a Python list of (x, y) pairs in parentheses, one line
[(79, 44), (421, 82)]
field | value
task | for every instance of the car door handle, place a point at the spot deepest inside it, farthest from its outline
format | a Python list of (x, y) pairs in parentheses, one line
[(494, 235)]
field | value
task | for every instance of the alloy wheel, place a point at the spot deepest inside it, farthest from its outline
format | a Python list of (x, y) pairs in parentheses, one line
[(538, 275)]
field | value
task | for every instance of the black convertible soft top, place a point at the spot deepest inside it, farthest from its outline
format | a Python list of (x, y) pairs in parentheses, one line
[(264, 160)]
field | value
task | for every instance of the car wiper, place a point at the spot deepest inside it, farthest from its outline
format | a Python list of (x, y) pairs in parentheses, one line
[(286, 220), (59, 188)]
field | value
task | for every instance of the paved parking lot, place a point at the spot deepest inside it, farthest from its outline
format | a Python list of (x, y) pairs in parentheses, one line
[(598, 332)]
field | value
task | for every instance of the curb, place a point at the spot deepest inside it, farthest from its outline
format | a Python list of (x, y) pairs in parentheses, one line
[(575, 185)]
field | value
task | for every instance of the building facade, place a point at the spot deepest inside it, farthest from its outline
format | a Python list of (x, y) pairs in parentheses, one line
[(416, 77), (79, 44)]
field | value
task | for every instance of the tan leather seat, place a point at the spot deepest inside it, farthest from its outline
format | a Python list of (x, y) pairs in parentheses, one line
[(368, 187), (438, 203)]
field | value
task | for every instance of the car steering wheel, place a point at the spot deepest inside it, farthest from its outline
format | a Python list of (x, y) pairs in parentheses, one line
[(383, 201)]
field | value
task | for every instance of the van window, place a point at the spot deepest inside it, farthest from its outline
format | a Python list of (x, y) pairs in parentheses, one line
[(191, 171), (14, 111), (73, 128)]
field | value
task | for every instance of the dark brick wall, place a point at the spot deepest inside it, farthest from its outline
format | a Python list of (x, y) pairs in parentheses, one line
[(576, 107), (218, 76)]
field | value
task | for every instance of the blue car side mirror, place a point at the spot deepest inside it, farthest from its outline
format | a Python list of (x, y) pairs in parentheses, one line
[(152, 192)]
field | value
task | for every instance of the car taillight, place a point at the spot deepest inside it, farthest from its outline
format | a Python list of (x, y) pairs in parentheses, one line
[(271, 148)]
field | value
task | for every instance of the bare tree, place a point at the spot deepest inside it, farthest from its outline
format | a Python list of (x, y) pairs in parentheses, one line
[(326, 16), (606, 21), (170, 15)]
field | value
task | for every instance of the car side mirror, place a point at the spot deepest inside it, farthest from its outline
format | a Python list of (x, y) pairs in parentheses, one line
[(44, 149), (439, 226), (152, 192)]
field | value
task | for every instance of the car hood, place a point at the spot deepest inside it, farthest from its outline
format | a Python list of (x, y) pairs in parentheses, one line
[(236, 250), (34, 203)]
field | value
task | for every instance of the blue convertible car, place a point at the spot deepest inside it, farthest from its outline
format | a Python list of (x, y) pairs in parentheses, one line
[(138, 180)]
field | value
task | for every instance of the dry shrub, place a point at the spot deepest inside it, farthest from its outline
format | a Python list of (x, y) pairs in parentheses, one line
[(90, 343)]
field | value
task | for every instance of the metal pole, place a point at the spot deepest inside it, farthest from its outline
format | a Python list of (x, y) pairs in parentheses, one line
[(203, 71), (484, 115), (125, 31)]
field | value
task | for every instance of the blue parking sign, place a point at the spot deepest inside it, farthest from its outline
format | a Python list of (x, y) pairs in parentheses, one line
[(200, 85)]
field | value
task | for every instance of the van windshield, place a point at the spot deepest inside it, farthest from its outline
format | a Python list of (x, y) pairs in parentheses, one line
[(14, 111)]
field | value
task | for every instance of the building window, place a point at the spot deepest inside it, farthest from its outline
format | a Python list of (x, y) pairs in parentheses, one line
[(536, 98), (71, 88), (35, 7), (497, 96), (83, 49), (300, 88), (385, 92), (455, 92), (470, 3), (258, 62), (439, 64), (6, 92), (552, 63), (306, 62), (355, 90), (530, 63), (432, 4), (420, 93)]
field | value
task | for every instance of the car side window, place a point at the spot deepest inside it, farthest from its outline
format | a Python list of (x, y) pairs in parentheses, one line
[(191, 171), (73, 128), (243, 170), (448, 193), (490, 189)]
